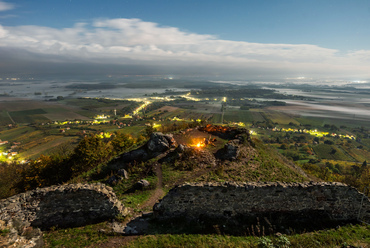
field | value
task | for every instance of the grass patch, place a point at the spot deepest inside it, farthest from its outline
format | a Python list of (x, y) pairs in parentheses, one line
[(193, 240), (132, 197), (171, 175), (342, 237), (4, 232), (76, 237), (134, 200), (358, 235), (265, 165)]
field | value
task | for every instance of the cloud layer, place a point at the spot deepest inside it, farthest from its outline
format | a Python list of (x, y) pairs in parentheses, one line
[(134, 42), (5, 6)]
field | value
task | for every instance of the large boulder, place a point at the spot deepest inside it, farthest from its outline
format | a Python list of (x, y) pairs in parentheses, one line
[(171, 140), (113, 180), (135, 155), (159, 142), (142, 184), (230, 151), (123, 173)]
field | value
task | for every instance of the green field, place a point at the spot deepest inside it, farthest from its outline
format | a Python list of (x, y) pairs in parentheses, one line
[(324, 151), (238, 116), (28, 116), (4, 118), (10, 134), (280, 117), (48, 147)]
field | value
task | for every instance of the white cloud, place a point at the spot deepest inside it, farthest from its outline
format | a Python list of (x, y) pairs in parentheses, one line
[(118, 41), (6, 6)]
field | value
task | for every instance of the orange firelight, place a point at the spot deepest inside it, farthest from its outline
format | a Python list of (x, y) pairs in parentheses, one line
[(198, 145)]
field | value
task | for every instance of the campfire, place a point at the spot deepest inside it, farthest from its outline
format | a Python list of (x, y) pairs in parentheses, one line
[(204, 142), (200, 144)]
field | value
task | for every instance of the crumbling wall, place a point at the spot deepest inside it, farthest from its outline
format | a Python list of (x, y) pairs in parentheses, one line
[(62, 206), (275, 202)]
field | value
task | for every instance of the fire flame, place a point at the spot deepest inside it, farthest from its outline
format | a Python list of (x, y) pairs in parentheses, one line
[(198, 145)]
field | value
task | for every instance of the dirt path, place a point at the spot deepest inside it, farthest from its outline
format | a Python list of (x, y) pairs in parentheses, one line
[(137, 221), (158, 193)]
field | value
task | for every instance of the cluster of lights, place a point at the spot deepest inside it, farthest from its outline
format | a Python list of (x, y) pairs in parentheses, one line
[(315, 132), (187, 96), (146, 103)]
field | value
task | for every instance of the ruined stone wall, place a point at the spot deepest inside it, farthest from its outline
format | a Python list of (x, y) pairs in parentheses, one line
[(62, 206), (274, 201)]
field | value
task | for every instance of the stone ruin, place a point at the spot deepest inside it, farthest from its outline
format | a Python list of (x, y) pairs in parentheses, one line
[(57, 206), (273, 204)]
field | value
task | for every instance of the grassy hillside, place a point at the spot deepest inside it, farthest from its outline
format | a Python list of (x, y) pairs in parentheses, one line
[(327, 157), (256, 163)]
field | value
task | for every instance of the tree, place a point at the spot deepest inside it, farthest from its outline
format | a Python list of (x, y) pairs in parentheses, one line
[(120, 142), (149, 130), (90, 152), (364, 164)]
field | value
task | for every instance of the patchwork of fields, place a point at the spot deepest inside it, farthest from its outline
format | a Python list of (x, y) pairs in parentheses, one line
[(38, 134)]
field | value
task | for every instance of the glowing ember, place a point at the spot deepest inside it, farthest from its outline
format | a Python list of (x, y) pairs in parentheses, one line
[(199, 145)]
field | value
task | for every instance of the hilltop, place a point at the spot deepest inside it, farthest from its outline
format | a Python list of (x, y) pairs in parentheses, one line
[(141, 172), (144, 174)]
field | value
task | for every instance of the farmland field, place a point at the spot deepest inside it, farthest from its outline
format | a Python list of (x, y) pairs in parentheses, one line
[(28, 116), (330, 152), (310, 114), (280, 117), (48, 146), (238, 116), (6, 134), (4, 118)]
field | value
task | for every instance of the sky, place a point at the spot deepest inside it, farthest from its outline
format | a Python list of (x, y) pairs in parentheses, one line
[(215, 38)]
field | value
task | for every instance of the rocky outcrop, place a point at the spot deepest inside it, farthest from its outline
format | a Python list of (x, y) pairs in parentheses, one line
[(62, 206), (142, 184), (157, 144), (16, 233), (230, 151), (278, 203), (227, 132)]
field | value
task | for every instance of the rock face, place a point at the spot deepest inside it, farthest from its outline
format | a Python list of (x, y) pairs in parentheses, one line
[(157, 144), (230, 151), (279, 203), (20, 235), (62, 206), (136, 155), (160, 143)]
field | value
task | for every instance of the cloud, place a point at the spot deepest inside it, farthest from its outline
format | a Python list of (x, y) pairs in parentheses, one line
[(6, 6), (133, 42)]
